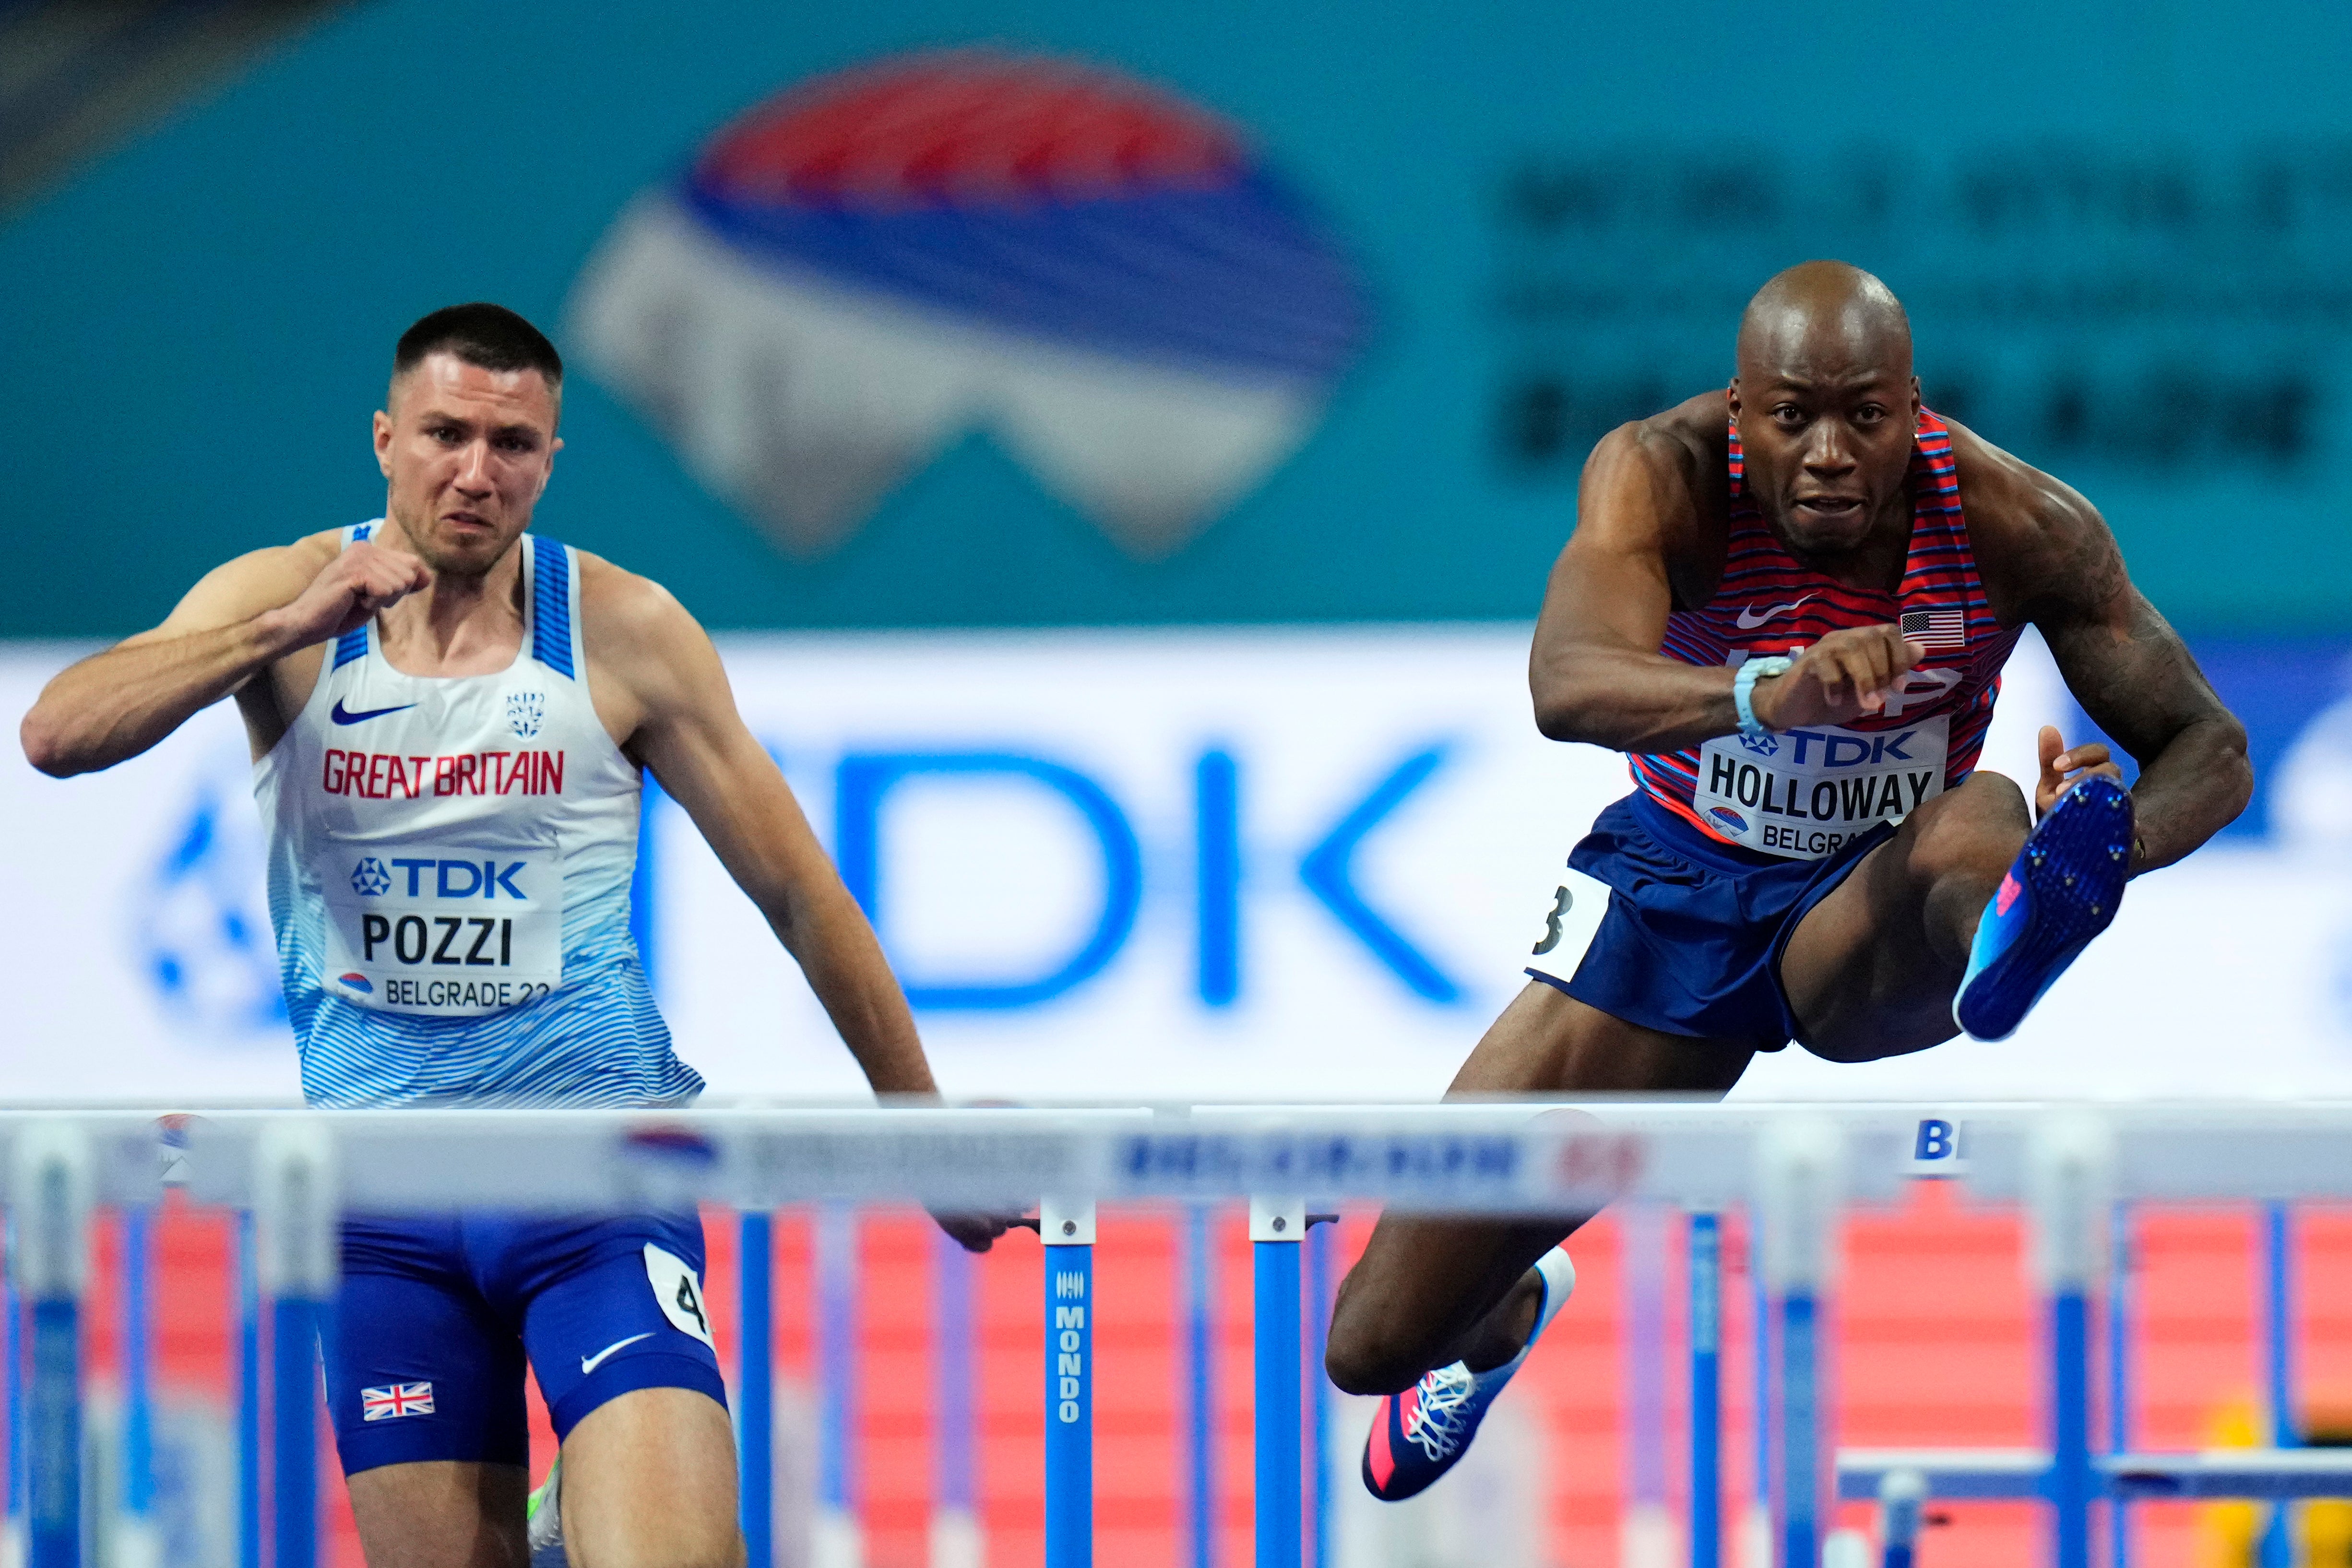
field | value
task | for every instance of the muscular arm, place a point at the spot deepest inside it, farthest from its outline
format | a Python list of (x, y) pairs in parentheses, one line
[(114, 705), (233, 626), (683, 725), (2048, 557), (1595, 671)]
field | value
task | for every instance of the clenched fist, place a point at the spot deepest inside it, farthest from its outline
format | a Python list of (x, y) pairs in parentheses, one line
[(1844, 676), (356, 585)]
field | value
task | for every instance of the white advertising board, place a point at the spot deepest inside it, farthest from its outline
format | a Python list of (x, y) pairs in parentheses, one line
[(1265, 864)]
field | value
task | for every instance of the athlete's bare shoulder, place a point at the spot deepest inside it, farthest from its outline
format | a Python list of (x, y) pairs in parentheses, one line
[(622, 612), (244, 586), (2038, 542), (1695, 435), (1660, 487), (1678, 453), (648, 658)]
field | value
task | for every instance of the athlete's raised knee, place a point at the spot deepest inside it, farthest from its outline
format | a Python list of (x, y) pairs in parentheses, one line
[(1359, 1363), (1365, 1353), (1971, 831)]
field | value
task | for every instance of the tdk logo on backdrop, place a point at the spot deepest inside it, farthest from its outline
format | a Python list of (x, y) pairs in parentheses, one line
[(863, 781), (865, 267)]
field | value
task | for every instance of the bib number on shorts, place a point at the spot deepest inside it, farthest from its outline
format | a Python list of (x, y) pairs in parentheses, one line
[(1573, 909), (1801, 793), (445, 932), (678, 1292)]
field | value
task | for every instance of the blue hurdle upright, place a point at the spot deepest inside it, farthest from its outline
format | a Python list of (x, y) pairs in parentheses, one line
[(1277, 1227), (1067, 1228), (52, 1193)]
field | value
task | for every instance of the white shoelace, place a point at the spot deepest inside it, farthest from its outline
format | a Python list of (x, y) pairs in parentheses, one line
[(1443, 1392)]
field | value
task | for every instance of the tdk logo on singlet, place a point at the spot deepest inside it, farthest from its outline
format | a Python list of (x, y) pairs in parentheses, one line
[(451, 878), (1850, 750)]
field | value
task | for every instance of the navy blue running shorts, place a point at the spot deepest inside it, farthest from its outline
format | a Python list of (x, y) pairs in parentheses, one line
[(436, 1313), (1658, 924)]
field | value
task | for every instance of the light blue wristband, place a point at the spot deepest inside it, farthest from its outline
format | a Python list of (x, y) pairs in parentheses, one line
[(1743, 692)]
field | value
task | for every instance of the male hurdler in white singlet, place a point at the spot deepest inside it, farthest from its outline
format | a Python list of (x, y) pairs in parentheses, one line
[(450, 719)]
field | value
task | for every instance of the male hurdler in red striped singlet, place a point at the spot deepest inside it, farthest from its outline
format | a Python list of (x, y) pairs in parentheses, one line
[(1788, 603)]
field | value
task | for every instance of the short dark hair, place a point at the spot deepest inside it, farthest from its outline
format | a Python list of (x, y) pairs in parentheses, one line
[(483, 335)]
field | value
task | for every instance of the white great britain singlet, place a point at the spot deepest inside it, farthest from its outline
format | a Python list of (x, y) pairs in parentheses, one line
[(449, 869)]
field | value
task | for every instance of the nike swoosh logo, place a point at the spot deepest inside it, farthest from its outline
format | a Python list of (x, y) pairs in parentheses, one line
[(342, 715), (1749, 620), (589, 1363)]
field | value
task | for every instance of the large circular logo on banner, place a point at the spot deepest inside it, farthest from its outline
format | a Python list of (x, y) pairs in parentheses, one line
[(871, 265)]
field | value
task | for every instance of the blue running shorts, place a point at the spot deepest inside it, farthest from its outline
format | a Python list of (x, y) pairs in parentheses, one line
[(1656, 924), (436, 1313)]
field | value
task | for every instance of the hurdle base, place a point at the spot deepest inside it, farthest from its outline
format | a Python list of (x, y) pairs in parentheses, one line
[(835, 1540), (2022, 1475), (1650, 1537), (956, 1541), (1846, 1549), (136, 1543)]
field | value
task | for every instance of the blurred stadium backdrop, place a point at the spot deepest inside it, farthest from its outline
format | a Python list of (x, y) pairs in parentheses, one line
[(1120, 449)]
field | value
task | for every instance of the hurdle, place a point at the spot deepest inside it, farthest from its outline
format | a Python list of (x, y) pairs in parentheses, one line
[(1791, 1169), (2078, 1171)]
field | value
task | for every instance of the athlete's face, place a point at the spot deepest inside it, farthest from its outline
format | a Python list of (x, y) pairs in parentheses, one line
[(465, 453), (1826, 407)]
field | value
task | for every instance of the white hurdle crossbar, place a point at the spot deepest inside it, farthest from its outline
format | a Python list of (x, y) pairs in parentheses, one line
[(1793, 1168)]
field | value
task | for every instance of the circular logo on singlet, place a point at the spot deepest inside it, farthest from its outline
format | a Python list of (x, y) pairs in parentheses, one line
[(369, 878), (1726, 817)]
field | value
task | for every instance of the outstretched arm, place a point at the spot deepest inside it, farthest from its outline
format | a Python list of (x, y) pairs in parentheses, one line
[(689, 734), (683, 725), (2049, 558), (236, 623)]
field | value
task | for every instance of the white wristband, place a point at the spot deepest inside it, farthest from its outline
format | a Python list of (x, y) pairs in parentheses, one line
[(1743, 692)]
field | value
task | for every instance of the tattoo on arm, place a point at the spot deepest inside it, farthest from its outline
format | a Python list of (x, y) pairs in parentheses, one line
[(2138, 682)]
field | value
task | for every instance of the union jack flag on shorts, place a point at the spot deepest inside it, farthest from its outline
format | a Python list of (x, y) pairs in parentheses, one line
[(399, 1399), (1936, 628)]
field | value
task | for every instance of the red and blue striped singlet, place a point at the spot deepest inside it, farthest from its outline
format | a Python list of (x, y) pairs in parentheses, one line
[(1802, 794)]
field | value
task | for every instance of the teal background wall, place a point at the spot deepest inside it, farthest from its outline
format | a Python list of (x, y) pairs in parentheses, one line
[(2122, 231)]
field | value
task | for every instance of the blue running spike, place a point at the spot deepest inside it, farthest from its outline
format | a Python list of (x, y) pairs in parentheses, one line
[(2061, 891), (1418, 1435)]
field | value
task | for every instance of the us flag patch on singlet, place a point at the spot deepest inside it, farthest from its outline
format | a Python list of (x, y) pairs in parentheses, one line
[(1936, 628), (399, 1399)]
